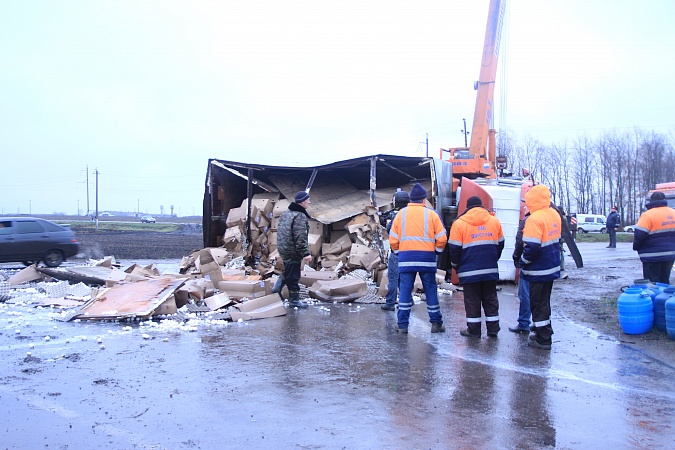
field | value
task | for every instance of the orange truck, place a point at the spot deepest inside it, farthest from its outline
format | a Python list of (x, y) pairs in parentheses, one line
[(668, 189)]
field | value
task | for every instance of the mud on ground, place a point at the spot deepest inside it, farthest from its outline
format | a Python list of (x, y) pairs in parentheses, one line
[(589, 297)]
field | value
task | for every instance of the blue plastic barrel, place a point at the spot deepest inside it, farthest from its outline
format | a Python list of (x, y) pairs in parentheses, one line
[(660, 308), (636, 311), (646, 288), (670, 317), (660, 287)]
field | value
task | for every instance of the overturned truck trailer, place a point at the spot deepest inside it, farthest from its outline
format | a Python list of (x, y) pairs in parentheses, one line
[(340, 191)]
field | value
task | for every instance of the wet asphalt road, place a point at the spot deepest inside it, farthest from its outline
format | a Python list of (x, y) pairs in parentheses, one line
[(340, 378)]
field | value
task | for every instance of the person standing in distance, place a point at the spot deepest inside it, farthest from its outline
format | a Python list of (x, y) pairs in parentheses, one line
[(401, 200), (524, 312), (654, 239), (476, 244), (293, 246), (418, 235), (540, 261), (613, 222)]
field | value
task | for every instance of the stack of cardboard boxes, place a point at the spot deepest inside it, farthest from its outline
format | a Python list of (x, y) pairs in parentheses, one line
[(348, 244)]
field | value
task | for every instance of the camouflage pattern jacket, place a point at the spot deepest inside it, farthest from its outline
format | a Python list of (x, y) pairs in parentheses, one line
[(292, 233)]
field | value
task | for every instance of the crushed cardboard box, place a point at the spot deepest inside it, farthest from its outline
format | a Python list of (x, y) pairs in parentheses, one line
[(259, 308), (238, 289), (345, 289)]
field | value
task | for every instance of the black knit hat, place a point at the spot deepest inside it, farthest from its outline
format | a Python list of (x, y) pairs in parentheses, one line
[(657, 196), (301, 196), (473, 201), (418, 193)]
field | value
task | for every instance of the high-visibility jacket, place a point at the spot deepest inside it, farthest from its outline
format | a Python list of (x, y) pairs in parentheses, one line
[(540, 260), (476, 244), (654, 235), (418, 235)]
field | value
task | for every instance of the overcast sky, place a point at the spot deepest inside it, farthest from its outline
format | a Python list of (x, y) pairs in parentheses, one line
[(147, 91)]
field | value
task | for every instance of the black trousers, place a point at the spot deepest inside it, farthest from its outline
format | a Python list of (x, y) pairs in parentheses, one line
[(657, 271), (612, 237), (292, 275), (540, 304), (477, 295)]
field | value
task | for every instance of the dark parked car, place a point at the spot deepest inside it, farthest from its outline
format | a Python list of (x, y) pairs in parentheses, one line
[(29, 240)]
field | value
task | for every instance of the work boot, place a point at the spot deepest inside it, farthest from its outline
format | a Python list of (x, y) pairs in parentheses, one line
[(437, 327), (388, 308), (465, 332), (402, 330), (278, 285), (519, 329), (295, 301), (532, 342)]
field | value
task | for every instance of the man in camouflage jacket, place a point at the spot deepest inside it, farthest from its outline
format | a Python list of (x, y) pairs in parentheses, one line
[(292, 246)]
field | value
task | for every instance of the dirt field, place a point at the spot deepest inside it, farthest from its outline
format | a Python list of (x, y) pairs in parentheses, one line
[(140, 244)]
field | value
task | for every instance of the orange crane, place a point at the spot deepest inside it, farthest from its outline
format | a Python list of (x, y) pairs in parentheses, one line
[(479, 160)]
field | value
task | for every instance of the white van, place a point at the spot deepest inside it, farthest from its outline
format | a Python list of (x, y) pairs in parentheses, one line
[(591, 222)]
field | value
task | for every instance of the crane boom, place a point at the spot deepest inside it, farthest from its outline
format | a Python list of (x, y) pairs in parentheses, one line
[(478, 160)]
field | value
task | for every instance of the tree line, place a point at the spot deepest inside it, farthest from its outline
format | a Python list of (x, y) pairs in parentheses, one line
[(590, 175)]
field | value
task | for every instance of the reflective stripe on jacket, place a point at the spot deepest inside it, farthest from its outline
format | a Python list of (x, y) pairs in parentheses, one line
[(476, 244), (654, 236), (540, 260), (417, 234)]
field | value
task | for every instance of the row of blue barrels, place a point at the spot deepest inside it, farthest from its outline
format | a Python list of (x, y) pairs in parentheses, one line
[(643, 306)]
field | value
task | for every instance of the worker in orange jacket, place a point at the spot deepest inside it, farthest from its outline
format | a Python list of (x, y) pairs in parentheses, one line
[(418, 236), (540, 261), (476, 244), (654, 239)]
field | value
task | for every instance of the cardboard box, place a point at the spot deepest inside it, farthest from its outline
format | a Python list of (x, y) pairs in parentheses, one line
[(243, 288), (316, 227), (263, 205), (383, 287), (314, 241), (343, 290), (274, 223), (362, 256), (341, 244), (280, 206), (218, 301), (260, 308), (208, 266), (166, 308), (357, 222), (236, 216), (309, 277)]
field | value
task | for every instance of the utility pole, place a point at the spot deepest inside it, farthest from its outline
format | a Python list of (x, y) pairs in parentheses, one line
[(88, 209), (96, 173), (465, 133), (427, 144)]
